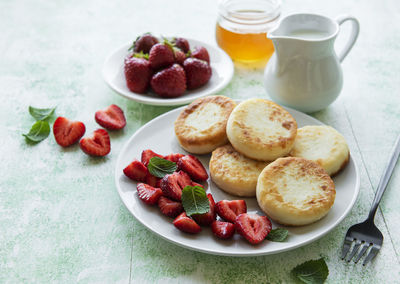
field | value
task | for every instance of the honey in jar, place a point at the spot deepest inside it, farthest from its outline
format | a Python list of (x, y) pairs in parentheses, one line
[(242, 29)]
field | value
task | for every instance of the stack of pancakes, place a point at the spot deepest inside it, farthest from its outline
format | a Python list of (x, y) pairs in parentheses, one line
[(257, 150)]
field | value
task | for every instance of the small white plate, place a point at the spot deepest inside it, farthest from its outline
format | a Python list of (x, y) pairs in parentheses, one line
[(222, 73), (159, 136)]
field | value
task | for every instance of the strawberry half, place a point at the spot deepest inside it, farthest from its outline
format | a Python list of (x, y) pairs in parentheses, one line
[(147, 155), (230, 209), (173, 184), (173, 157), (253, 227), (136, 171), (112, 118), (201, 53), (67, 132), (138, 73), (193, 167), (207, 218), (223, 230), (97, 145), (198, 72), (148, 194), (161, 55), (169, 82), (186, 224), (169, 207)]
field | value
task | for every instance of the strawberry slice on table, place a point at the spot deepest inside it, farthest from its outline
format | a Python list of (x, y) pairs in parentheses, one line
[(136, 171), (138, 73), (67, 132), (253, 227), (169, 207), (193, 167), (186, 224), (230, 209), (198, 72), (173, 184), (169, 82), (201, 53), (173, 157), (147, 155), (161, 55), (112, 118), (207, 218), (148, 194), (223, 230), (97, 145)]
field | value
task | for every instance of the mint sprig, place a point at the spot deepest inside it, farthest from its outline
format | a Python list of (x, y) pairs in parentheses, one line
[(312, 271), (278, 235), (41, 113), (194, 200), (39, 131), (160, 167)]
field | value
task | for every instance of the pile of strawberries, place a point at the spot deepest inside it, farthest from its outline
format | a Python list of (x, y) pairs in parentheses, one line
[(169, 67), (166, 193), (67, 132)]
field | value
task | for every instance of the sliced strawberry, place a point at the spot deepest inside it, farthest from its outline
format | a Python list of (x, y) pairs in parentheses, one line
[(67, 132), (253, 227), (173, 184), (148, 194), (112, 118), (230, 209), (169, 207), (186, 224), (207, 218), (136, 171), (173, 157), (97, 145), (152, 180), (197, 184), (193, 167), (223, 230), (147, 155)]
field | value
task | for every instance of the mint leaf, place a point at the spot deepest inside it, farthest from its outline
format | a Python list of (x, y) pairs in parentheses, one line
[(312, 271), (278, 235), (41, 113), (39, 131), (194, 200), (159, 167)]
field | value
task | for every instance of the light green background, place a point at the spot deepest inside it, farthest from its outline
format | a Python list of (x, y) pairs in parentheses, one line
[(61, 219)]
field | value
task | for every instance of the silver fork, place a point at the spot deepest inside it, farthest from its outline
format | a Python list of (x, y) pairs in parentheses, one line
[(366, 234)]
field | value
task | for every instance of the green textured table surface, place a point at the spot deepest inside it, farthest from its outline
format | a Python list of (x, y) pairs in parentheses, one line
[(61, 219)]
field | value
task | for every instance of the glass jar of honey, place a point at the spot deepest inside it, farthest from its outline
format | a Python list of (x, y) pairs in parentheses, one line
[(242, 28)]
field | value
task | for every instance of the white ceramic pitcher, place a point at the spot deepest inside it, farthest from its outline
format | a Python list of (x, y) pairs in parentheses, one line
[(304, 72)]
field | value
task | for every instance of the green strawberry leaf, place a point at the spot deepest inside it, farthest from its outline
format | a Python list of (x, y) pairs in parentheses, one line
[(278, 235), (194, 200), (312, 271), (41, 113), (39, 131), (160, 167)]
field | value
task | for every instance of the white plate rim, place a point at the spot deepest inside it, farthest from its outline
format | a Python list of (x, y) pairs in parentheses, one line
[(141, 98), (245, 254)]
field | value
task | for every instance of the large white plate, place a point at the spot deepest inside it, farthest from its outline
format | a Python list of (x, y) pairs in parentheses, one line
[(222, 72), (159, 136)]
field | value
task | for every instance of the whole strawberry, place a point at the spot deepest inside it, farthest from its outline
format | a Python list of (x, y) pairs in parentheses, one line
[(181, 43), (169, 82), (179, 56), (201, 53), (161, 55), (144, 43), (138, 73), (198, 72)]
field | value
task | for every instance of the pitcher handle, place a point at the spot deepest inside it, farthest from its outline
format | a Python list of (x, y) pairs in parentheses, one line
[(355, 29)]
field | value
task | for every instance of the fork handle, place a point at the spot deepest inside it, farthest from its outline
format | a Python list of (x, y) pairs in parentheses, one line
[(385, 179)]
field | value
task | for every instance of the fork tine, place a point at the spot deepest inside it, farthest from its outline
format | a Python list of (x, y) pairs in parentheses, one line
[(372, 253), (364, 248), (346, 247), (354, 251)]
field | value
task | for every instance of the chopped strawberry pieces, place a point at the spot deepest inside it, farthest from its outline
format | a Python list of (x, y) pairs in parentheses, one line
[(147, 155), (207, 218), (229, 210), (67, 132), (173, 157), (173, 184), (186, 224), (169, 207), (112, 118), (97, 145), (223, 230), (197, 184), (136, 171), (254, 228), (148, 194), (193, 167), (152, 180)]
